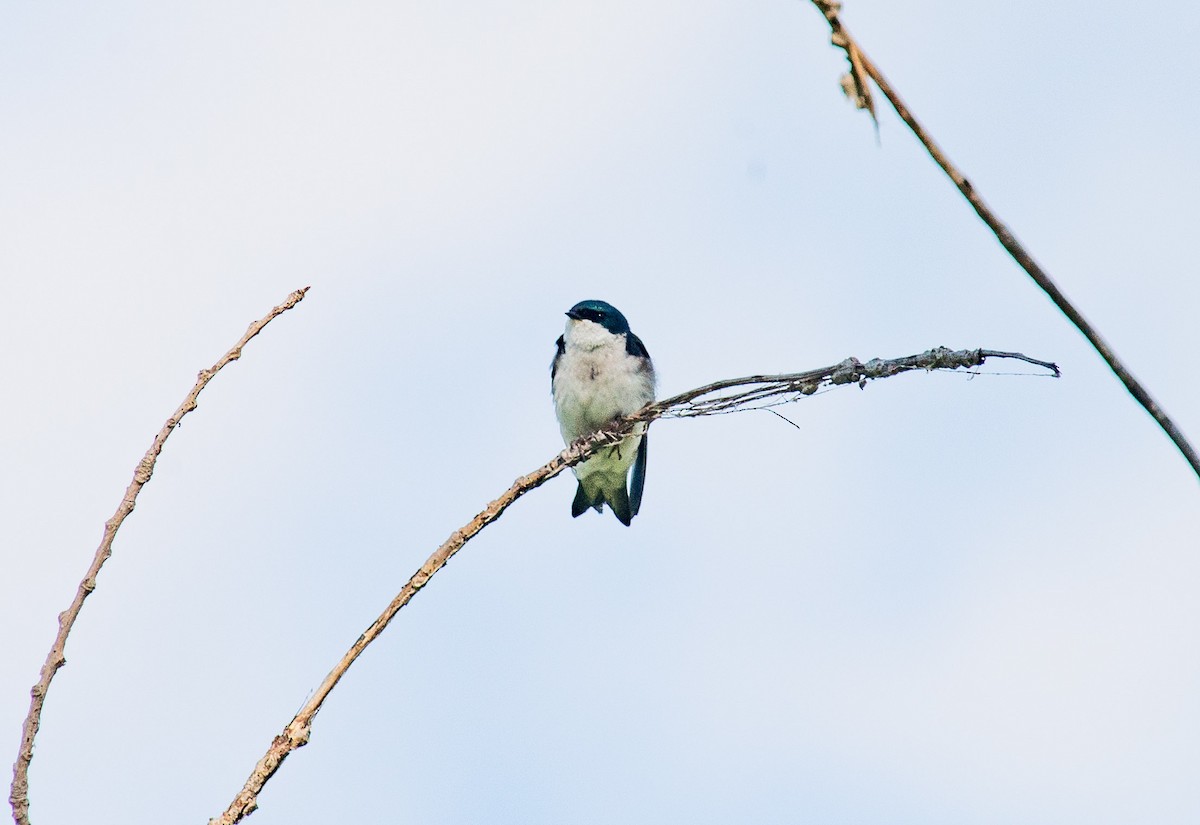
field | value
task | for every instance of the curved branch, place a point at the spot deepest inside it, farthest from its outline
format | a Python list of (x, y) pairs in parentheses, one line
[(857, 87), (752, 392), (19, 792)]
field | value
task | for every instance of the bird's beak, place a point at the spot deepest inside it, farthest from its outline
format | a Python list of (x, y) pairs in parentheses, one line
[(573, 315)]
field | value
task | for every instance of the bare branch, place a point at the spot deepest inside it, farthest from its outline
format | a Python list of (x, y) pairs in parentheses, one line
[(19, 793), (860, 63), (731, 395)]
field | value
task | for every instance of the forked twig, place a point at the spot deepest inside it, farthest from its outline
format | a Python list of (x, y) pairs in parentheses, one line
[(856, 86), (19, 792), (735, 394)]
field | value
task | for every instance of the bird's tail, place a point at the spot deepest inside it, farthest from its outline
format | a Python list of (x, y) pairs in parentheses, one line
[(616, 497)]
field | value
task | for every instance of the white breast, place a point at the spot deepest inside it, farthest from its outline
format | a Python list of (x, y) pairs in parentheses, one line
[(597, 380)]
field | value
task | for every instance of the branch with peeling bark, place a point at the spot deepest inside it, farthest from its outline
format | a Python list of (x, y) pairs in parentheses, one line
[(856, 83), (19, 791), (720, 397)]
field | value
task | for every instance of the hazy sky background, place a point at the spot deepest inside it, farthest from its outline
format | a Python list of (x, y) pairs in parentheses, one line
[(942, 600)]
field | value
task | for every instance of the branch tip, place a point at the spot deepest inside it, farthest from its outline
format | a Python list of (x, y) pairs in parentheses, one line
[(55, 659)]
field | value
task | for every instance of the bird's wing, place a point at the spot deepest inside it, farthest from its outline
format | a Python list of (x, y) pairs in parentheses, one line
[(562, 347), (634, 346), (639, 478)]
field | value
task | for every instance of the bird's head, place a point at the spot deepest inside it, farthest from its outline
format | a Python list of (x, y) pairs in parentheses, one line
[(599, 312)]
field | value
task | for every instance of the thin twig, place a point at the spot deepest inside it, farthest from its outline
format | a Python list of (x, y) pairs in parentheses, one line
[(859, 62), (19, 793), (784, 417), (700, 401), (988, 353)]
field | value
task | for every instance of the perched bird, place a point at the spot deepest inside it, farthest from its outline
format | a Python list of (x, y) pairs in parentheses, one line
[(601, 372)]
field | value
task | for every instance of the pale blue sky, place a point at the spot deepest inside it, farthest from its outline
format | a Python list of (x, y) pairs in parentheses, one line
[(942, 601)]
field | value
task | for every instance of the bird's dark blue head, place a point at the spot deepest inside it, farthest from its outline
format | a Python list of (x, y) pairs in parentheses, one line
[(602, 313)]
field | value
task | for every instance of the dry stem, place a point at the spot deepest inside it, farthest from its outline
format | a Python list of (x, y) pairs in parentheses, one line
[(731, 395), (857, 86), (19, 792)]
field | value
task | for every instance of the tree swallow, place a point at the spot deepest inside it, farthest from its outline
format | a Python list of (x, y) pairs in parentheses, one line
[(602, 372)]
